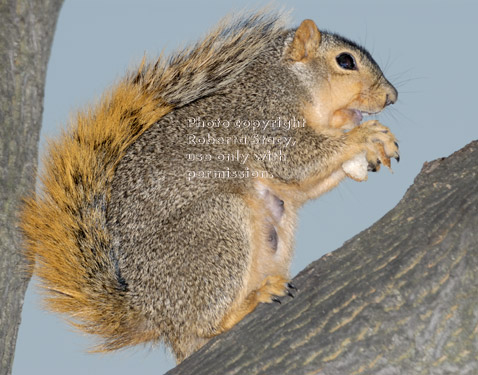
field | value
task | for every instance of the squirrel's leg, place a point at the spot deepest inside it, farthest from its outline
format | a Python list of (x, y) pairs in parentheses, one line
[(272, 219)]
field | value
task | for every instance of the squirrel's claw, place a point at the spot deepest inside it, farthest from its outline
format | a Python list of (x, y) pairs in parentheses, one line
[(290, 287), (397, 154), (374, 167)]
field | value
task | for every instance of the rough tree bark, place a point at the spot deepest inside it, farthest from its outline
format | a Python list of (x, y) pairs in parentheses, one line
[(399, 298), (26, 34)]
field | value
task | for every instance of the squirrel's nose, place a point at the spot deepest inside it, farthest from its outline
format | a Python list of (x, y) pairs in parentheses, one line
[(388, 101), (391, 96)]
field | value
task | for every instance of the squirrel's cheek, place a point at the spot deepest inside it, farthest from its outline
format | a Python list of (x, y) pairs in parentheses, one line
[(345, 119), (315, 116)]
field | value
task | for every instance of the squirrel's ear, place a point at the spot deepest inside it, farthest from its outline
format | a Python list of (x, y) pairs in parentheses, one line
[(306, 41)]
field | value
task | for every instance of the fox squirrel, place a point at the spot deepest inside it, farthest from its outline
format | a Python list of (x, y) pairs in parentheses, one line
[(168, 209)]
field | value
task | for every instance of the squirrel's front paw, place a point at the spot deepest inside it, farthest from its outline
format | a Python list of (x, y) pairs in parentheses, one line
[(272, 288), (376, 142)]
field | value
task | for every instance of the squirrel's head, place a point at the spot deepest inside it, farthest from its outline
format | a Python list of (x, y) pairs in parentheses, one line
[(344, 81)]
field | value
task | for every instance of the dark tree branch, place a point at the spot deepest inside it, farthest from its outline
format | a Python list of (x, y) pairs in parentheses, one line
[(399, 298), (26, 34)]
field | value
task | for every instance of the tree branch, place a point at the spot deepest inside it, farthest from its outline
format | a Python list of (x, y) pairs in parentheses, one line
[(398, 298)]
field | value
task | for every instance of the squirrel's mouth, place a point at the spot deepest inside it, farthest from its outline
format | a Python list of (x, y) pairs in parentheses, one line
[(356, 115), (349, 118)]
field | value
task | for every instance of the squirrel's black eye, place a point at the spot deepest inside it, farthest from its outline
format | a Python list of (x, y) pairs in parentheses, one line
[(346, 61)]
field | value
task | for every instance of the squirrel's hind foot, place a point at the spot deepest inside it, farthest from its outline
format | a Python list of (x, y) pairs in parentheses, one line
[(271, 288)]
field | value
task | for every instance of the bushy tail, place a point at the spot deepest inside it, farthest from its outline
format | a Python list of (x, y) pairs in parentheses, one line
[(65, 224)]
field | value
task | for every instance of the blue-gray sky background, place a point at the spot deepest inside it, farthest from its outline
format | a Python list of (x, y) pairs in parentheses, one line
[(426, 48)]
